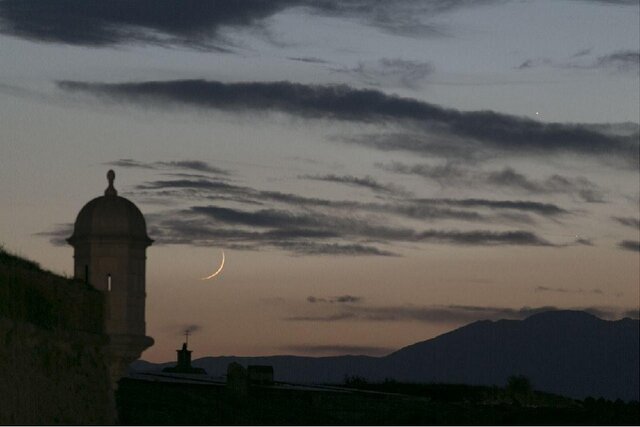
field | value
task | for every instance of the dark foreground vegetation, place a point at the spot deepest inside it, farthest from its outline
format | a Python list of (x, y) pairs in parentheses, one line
[(44, 299), (390, 403)]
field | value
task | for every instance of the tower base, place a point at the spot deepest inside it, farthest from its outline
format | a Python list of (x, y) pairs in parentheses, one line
[(123, 350)]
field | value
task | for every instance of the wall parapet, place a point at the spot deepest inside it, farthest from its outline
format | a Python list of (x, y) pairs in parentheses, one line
[(54, 353)]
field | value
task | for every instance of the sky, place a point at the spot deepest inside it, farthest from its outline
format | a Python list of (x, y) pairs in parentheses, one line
[(377, 173)]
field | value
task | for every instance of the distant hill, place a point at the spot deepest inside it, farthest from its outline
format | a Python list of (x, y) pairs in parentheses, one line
[(571, 353)]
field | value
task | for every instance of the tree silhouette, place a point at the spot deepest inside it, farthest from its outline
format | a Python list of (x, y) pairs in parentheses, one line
[(519, 388)]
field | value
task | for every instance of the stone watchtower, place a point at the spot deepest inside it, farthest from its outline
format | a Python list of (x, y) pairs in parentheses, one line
[(110, 241)]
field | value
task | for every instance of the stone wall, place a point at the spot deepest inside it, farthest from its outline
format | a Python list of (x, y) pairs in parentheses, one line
[(53, 350)]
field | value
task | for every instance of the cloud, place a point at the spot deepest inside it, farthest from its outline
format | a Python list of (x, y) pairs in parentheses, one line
[(482, 237), (130, 163), (313, 248), (484, 130), (337, 349), (621, 61), (315, 226), (319, 226), (288, 223), (311, 233), (581, 186), (532, 63), (348, 299), (452, 174), (583, 241), (568, 291), (423, 144), (522, 205), (308, 59), (630, 245), (582, 52), (628, 221), (194, 165), (324, 318), (624, 60), (422, 209), (199, 24), (58, 235), (193, 23), (196, 23), (217, 190), (365, 182), (183, 228), (445, 314), (391, 72), (191, 328)]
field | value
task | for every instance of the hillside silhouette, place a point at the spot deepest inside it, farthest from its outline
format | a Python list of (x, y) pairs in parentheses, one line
[(571, 353)]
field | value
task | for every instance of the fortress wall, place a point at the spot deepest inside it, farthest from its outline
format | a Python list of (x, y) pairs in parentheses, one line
[(53, 354)]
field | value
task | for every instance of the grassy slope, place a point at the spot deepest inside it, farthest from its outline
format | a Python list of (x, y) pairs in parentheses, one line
[(29, 293)]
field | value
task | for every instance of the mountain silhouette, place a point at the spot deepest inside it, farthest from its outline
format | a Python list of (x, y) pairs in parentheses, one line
[(571, 353)]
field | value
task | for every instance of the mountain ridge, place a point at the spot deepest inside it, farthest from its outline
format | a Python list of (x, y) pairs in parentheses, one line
[(572, 353)]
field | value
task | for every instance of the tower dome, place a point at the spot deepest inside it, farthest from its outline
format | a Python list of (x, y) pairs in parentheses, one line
[(110, 217), (109, 249)]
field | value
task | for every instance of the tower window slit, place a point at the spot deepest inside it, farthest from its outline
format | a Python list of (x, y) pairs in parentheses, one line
[(109, 282)]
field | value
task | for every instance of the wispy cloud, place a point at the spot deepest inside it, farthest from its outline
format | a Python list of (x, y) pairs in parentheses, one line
[(193, 165), (444, 314), (628, 221), (308, 59), (312, 234), (315, 226), (341, 299), (521, 205), (337, 349), (414, 208), (624, 60), (568, 291), (391, 72), (630, 245), (284, 224), (620, 61), (58, 235), (483, 130), (452, 174), (364, 182), (581, 186), (322, 318)]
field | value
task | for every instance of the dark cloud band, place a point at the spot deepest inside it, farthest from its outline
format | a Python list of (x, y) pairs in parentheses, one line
[(313, 226), (630, 245), (195, 23), (476, 130)]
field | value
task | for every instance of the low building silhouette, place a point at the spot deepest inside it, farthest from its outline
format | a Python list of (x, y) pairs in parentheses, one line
[(239, 378), (184, 363), (260, 374)]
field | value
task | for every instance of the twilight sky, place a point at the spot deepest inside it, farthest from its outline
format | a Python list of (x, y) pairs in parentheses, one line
[(376, 172)]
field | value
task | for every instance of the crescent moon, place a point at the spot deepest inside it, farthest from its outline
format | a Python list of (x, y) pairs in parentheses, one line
[(217, 271)]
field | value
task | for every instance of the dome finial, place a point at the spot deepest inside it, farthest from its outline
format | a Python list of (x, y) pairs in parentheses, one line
[(111, 191)]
